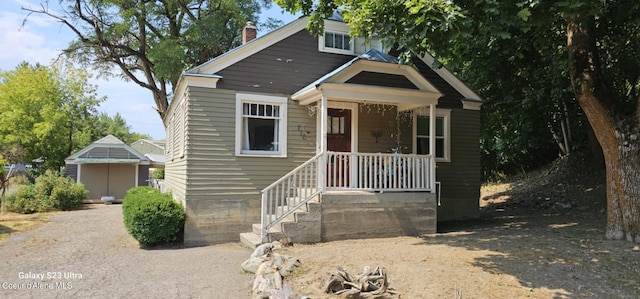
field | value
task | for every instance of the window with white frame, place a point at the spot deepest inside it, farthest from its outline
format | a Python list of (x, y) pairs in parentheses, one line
[(422, 138), (261, 125), (179, 133), (338, 41)]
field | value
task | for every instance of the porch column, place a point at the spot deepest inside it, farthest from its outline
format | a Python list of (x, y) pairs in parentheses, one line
[(323, 124), (432, 147), (322, 168), (79, 172)]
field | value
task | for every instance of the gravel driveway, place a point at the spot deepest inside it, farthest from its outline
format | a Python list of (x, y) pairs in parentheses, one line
[(88, 254)]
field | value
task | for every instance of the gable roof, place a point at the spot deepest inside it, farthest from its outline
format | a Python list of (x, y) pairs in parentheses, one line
[(156, 144), (379, 60), (206, 74), (254, 46), (108, 149), (337, 83)]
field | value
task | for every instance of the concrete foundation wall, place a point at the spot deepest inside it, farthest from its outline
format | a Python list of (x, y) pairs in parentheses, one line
[(219, 221), (377, 215)]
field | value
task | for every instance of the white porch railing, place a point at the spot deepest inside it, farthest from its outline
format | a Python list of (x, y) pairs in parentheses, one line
[(378, 172), (290, 192), (343, 171), (158, 184)]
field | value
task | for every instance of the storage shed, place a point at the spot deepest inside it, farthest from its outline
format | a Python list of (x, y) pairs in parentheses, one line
[(108, 167)]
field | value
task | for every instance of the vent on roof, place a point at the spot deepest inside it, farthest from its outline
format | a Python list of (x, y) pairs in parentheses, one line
[(108, 153)]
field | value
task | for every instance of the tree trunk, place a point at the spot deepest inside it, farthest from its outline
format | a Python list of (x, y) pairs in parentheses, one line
[(617, 132), (162, 101)]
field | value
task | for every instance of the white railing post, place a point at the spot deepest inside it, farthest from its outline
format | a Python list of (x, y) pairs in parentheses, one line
[(263, 217)]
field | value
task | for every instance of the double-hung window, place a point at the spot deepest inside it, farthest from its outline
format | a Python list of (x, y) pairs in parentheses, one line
[(422, 135), (261, 125)]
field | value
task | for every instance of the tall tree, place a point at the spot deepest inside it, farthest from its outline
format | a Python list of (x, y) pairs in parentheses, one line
[(152, 42), (602, 50), (42, 109), (103, 124)]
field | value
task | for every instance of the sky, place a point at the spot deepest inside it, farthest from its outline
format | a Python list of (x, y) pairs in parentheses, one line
[(41, 40)]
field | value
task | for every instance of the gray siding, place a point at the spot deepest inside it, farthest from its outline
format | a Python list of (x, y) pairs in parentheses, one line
[(175, 169), (380, 79), (283, 68), (382, 119), (72, 171), (460, 178), (223, 191)]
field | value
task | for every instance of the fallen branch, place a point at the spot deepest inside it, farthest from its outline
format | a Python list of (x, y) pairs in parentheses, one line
[(368, 285)]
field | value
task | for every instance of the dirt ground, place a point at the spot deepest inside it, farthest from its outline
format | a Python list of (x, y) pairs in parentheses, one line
[(88, 254), (538, 237)]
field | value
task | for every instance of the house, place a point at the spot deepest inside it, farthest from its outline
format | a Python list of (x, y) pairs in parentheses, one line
[(318, 139), (108, 167), (146, 146), (152, 149)]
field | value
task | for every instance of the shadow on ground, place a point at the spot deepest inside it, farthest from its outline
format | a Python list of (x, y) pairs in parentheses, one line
[(548, 232)]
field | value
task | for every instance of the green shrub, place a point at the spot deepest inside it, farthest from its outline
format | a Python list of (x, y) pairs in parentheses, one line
[(50, 192), (151, 217), (26, 201)]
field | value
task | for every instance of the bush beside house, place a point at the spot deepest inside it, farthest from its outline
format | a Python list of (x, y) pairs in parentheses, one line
[(151, 217), (50, 192)]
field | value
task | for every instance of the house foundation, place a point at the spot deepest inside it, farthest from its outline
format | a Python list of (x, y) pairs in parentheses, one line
[(360, 215)]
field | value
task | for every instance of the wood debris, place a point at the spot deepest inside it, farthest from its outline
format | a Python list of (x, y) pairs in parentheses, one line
[(371, 284)]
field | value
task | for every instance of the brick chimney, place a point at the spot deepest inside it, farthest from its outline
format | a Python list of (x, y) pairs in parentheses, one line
[(249, 32)]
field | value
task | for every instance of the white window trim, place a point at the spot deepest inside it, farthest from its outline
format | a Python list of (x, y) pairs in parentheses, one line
[(339, 28), (446, 114), (322, 48), (182, 129), (242, 98), (169, 138)]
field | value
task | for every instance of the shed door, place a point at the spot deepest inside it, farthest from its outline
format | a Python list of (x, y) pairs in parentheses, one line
[(108, 179)]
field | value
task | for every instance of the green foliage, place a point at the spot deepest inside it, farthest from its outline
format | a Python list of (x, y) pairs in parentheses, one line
[(513, 53), (157, 174), (160, 39), (152, 218), (103, 125), (51, 192), (26, 201), (42, 111)]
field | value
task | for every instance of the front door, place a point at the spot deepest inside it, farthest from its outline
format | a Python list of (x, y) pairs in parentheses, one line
[(338, 140)]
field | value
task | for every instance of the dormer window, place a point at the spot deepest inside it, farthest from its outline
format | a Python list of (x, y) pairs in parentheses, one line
[(338, 41)]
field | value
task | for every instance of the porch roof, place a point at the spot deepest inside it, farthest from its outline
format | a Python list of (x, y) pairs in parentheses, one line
[(334, 85)]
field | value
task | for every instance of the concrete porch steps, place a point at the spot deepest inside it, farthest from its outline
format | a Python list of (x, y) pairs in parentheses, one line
[(302, 226)]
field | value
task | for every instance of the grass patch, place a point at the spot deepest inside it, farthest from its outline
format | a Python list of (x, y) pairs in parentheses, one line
[(11, 223)]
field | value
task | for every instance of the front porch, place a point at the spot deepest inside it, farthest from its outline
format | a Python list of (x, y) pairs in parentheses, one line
[(342, 195)]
